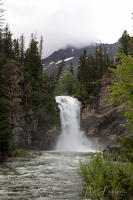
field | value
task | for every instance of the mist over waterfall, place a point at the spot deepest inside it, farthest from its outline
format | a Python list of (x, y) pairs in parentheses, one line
[(71, 137)]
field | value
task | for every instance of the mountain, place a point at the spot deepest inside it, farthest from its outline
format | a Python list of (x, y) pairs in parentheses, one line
[(72, 54)]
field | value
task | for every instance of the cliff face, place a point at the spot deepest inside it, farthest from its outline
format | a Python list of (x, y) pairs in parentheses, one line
[(106, 121), (102, 121), (27, 130)]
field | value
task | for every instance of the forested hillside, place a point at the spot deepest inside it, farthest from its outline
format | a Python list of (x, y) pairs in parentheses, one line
[(26, 96), (72, 54)]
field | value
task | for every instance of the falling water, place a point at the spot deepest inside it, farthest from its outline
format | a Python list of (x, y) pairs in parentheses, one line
[(71, 137)]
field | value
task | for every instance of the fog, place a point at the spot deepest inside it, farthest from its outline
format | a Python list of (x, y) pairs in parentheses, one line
[(69, 22)]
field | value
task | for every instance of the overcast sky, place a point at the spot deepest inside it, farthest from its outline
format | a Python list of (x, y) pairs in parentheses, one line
[(69, 22)]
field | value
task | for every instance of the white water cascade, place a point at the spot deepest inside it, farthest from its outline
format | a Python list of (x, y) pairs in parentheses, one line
[(71, 139)]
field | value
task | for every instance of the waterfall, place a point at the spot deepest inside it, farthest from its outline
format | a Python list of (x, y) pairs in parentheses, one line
[(71, 137)]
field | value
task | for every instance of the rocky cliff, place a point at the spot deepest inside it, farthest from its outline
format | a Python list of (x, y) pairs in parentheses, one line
[(101, 121), (104, 122), (27, 129)]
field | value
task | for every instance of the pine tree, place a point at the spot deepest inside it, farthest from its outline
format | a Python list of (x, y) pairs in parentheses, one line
[(16, 50), (106, 60), (71, 68), (40, 50), (4, 117), (22, 51), (125, 43), (91, 72), (60, 70), (7, 42), (82, 67), (98, 61), (4, 127), (33, 60)]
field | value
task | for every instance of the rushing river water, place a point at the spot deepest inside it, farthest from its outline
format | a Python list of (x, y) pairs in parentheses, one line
[(51, 176)]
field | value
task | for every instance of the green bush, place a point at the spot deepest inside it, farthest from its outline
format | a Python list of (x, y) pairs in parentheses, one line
[(126, 145), (122, 89), (107, 179), (19, 153)]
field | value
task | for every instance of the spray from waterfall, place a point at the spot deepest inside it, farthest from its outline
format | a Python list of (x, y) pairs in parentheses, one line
[(71, 138)]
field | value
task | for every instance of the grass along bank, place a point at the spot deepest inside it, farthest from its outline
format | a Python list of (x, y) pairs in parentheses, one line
[(104, 178)]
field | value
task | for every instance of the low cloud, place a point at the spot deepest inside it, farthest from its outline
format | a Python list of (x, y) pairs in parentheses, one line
[(69, 22)]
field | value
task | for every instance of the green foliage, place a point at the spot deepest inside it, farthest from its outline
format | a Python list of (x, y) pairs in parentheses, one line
[(4, 126), (98, 61), (33, 59), (16, 50), (60, 71), (68, 85), (82, 68), (21, 49), (7, 43), (39, 95), (126, 145), (125, 41), (5, 136), (122, 89), (71, 68), (90, 71), (19, 153), (36, 91), (107, 179), (43, 105)]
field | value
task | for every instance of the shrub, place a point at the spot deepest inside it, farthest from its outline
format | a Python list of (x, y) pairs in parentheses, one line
[(19, 153), (107, 179), (122, 89), (126, 145)]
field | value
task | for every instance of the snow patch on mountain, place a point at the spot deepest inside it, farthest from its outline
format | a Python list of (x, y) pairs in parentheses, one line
[(51, 63), (65, 60)]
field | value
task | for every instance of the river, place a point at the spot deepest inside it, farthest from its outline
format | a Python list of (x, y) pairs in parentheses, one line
[(51, 176)]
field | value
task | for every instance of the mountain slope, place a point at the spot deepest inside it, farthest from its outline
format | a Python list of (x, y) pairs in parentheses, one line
[(72, 54)]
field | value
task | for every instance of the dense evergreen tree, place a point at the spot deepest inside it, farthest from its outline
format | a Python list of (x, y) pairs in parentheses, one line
[(16, 50), (40, 50), (22, 49), (71, 68), (4, 116), (33, 62), (7, 42), (5, 53), (41, 46), (90, 70), (125, 43), (82, 68), (4, 126), (106, 60), (60, 70), (38, 90), (98, 61)]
